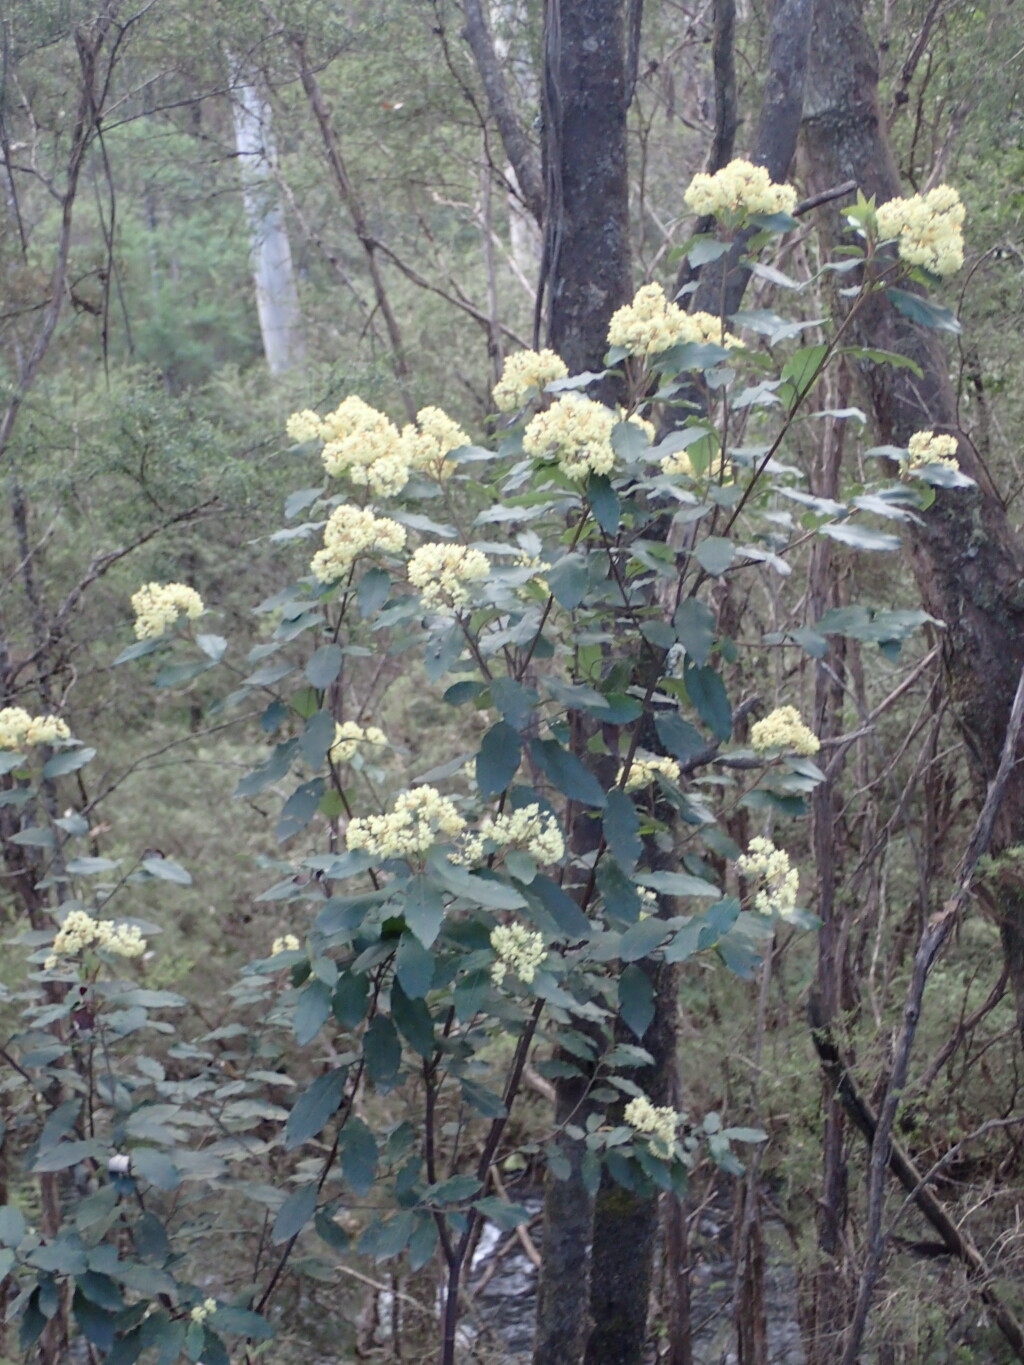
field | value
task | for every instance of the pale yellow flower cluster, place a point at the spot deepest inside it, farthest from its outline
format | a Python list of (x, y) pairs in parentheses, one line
[(348, 736), (420, 818), (18, 728), (287, 943), (679, 463), (524, 375), (928, 229), (657, 1123), (358, 441), (444, 574), (349, 533), (575, 431), (158, 605), (80, 931), (304, 426), (428, 447), (203, 1310), (776, 881), (739, 189), (925, 448), (783, 729), (652, 324), (528, 828), (519, 950), (647, 768)]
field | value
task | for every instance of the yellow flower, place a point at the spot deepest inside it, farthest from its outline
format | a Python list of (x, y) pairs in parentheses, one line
[(46, 730), (575, 431), (436, 438), (783, 729), (647, 768), (928, 229), (287, 943), (445, 574), (776, 882), (925, 448), (518, 950), (349, 533), (158, 605), (524, 375), (421, 818), (530, 828), (14, 727), (304, 426), (348, 736), (80, 931), (739, 189), (658, 1123), (362, 443), (649, 325)]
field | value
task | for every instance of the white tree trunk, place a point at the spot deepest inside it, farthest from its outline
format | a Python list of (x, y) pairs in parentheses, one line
[(277, 299)]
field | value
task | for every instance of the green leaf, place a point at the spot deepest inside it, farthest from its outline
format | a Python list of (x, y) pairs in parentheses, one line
[(139, 650), (641, 939), (567, 915), (412, 1019), (677, 884), (324, 666), (382, 1051), (484, 1101), (618, 891), (67, 761), (277, 766), (313, 1108), (483, 889), (636, 1000), (357, 1152), (705, 249), (600, 494), (499, 758), (311, 1012), (243, 1323), (514, 701), (860, 537), (802, 368), (707, 692), (317, 738), (299, 809), (174, 674), (423, 1243), (502, 1215), (567, 773), (393, 1237), (97, 1323), (879, 357), (414, 967), (423, 909), (568, 580), (621, 826), (167, 870), (919, 310), (455, 1190), (213, 646), (12, 1225), (155, 1167), (294, 1213), (715, 554), (681, 739), (65, 1154), (349, 999), (461, 692), (85, 866), (694, 625), (372, 593)]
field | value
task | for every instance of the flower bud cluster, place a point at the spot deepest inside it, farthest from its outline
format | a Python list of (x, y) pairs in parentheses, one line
[(925, 448), (287, 943), (652, 324), (783, 729), (421, 818), (776, 882), (519, 950), (658, 1123), (524, 375), (577, 433), (738, 190), (528, 828), (444, 574), (158, 605), (349, 533), (203, 1310), (80, 931), (349, 735), (678, 462), (647, 768), (928, 229), (19, 729)]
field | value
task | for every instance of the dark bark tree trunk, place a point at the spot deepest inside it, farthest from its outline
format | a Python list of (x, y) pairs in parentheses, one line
[(586, 265), (966, 556)]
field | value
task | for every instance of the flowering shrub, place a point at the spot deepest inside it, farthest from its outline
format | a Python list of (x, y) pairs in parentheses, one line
[(529, 889)]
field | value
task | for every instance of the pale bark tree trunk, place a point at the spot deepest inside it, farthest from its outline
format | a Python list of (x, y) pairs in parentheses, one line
[(277, 299)]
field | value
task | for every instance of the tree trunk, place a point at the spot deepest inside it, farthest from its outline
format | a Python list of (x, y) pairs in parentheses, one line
[(586, 227), (966, 556), (277, 300)]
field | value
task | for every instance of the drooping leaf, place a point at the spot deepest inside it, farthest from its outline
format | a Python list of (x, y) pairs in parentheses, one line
[(921, 311), (715, 554), (566, 771), (681, 739), (382, 1051), (299, 809), (413, 1021), (568, 580), (324, 666), (423, 909), (707, 692), (311, 1012), (498, 759), (621, 826), (629, 441), (636, 999), (294, 1213), (67, 761), (314, 1107), (357, 1152), (414, 967), (641, 939), (694, 625)]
